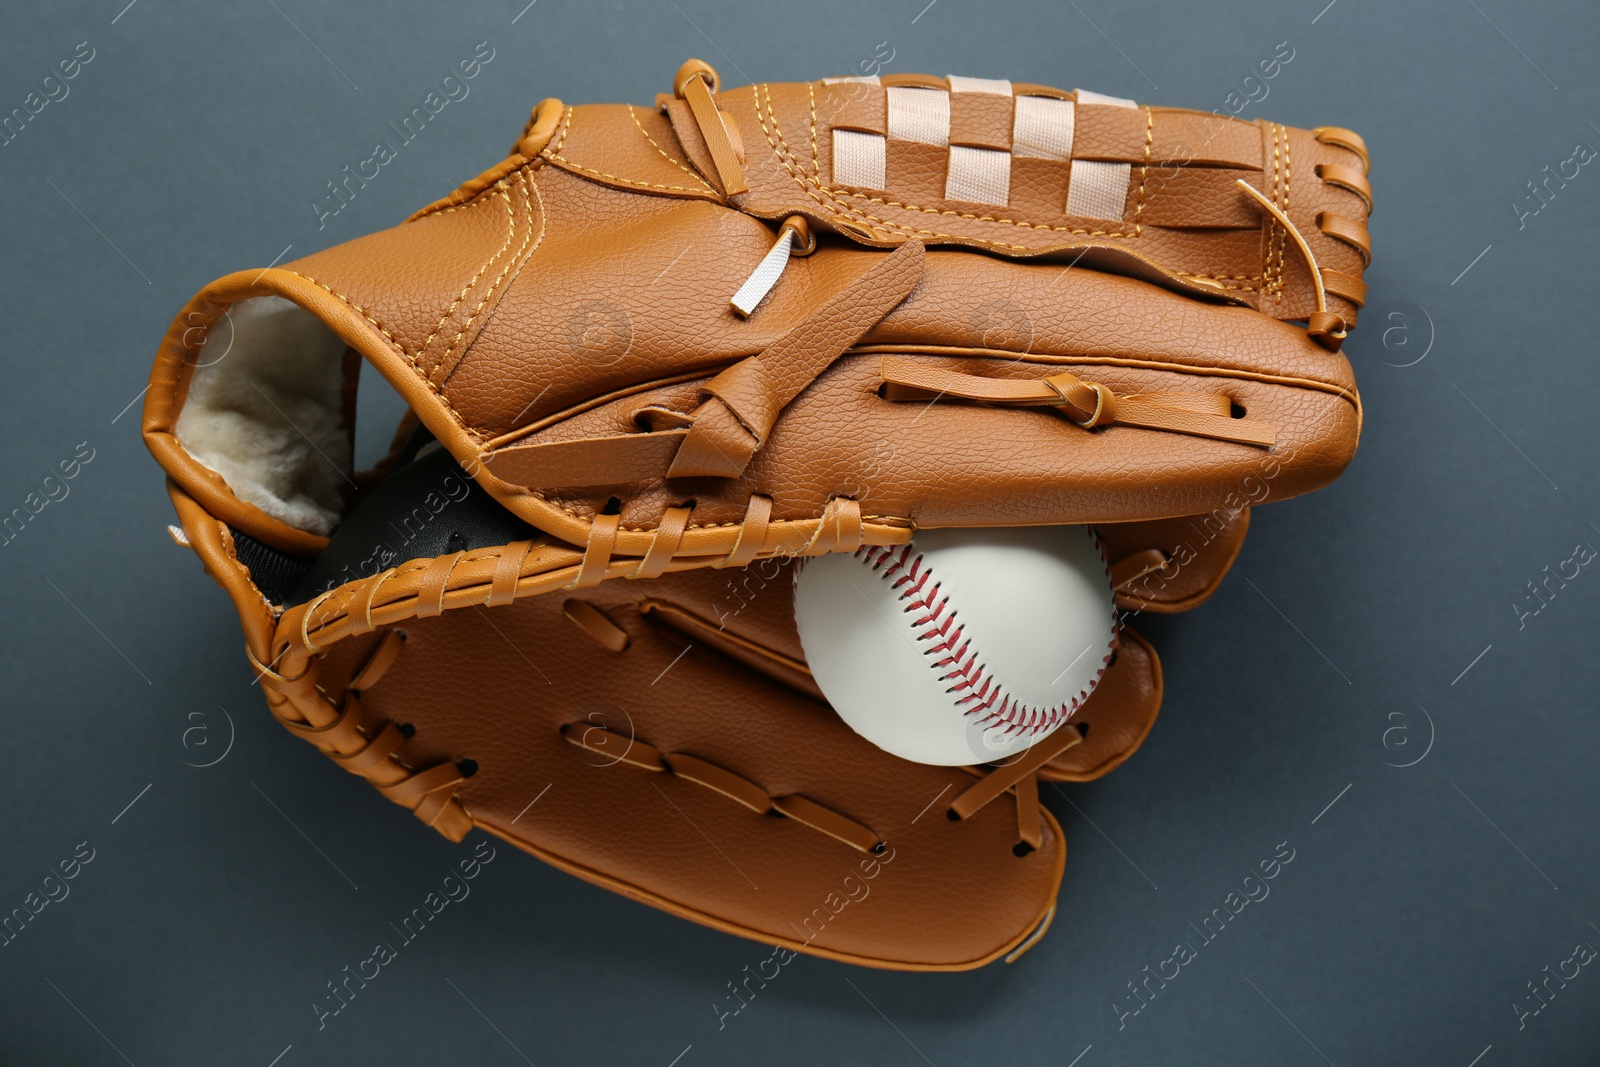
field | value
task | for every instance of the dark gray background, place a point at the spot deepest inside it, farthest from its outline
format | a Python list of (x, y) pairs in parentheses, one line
[(1418, 905)]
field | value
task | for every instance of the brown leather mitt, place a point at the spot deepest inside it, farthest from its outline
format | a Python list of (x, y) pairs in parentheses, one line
[(663, 737), (686, 346), (801, 318)]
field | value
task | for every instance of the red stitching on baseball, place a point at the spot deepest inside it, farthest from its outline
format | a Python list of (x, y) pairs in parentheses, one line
[(956, 655)]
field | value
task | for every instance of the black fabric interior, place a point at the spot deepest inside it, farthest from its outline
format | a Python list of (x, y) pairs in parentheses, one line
[(276, 573), (427, 507)]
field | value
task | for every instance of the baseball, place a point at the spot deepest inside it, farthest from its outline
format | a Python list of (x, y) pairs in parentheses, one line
[(964, 646)]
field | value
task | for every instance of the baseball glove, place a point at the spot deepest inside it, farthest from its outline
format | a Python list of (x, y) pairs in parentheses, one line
[(635, 733), (689, 345)]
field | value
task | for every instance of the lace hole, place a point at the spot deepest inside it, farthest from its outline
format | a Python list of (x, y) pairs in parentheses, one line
[(1020, 849), (951, 815), (467, 767)]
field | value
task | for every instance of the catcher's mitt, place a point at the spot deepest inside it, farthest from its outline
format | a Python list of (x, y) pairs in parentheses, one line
[(685, 346)]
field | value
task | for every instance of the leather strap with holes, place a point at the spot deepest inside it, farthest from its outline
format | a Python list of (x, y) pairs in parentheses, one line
[(1088, 404)]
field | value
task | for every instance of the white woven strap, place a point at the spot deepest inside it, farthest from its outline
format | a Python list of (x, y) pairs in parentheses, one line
[(1042, 128), (1097, 189)]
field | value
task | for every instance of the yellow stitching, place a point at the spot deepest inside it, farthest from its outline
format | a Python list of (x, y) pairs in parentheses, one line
[(527, 165), (511, 229), (832, 203), (387, 335), (1279, 237), (635, 116), (635, 183), (461, 421), (977, 218), (552, 152), (1223, 279), (1240, 288), (1144, 169), (1270, 235), (811, 93), (1280, 188), (554, 146), (514, 262), (785, 157), (1288, 176), (1275, 232)]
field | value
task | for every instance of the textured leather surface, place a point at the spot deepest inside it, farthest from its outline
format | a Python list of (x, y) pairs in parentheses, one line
[(586, 278), (787, 129), (948, 895), (561, 325), (703, 664)]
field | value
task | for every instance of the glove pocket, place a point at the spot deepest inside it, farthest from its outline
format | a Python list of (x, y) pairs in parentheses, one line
[(720, 798)]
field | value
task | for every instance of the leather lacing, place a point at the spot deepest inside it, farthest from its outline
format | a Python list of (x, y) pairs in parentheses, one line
[(1019, 775), (1323, 326), (492, 578), (426, 588), (838, 530), (1341, 228), (1087, 404), (339, 732), (697, 83)]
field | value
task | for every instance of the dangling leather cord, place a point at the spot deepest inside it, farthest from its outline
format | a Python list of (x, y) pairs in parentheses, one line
[(1322, 326)]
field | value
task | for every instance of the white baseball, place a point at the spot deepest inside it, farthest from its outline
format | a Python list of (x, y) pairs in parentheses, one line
[(964, 646)]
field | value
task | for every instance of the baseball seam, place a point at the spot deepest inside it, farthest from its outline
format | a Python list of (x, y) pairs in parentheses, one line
[(975, 690)]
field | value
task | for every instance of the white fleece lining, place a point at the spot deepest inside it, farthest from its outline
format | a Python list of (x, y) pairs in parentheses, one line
[(265, 411)]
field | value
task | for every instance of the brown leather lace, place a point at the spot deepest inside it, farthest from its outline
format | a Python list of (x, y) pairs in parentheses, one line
[(1323, 326), (839, 529), (338, 731), (1088, 404), (696, 83), (494, 577), (1019, 776), (636, 753)]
